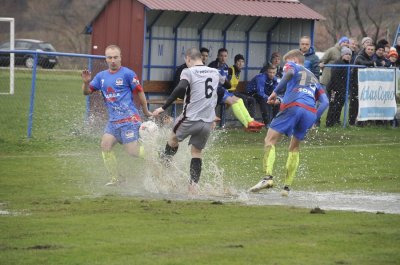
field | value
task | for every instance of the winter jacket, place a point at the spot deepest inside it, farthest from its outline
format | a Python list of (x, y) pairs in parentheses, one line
[(330, 56), (311, 62)]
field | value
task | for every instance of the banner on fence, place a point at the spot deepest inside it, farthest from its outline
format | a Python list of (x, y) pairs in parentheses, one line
[(376, 94)]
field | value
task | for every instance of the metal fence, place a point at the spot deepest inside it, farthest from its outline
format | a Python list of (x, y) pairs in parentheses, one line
[(47, 101), (342, 92)]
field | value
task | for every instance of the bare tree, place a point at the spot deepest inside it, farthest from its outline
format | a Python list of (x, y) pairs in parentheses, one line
[(333, 24), (355, 5)]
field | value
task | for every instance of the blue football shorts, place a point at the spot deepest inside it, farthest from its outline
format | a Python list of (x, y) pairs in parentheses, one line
[(125, 132), (223, 94), (294, 121)]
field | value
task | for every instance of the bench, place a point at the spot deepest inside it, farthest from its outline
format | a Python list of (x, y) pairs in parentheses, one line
[(158, 91)]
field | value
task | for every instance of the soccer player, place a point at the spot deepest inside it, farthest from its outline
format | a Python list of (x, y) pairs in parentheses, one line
[(200, 84), (225, 97), (118, 85), (298, 114)]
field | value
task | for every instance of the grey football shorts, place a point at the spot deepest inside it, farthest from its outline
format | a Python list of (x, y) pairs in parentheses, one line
[(199, 131)]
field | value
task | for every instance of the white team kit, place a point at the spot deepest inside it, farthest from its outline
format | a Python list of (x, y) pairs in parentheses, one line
[(201, 99), (199, 104)]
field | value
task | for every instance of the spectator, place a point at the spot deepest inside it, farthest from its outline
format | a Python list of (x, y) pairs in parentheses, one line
[(330, 56), (261, 87), (386, 52), (225, 97), (379, 57), (393, 59), (337, 88), (276, 62), (234, 77), (397, 46), (363, 58), (364, 43), (311, 59), (220, 62), (354, 47), (382, 42), (204, 55)]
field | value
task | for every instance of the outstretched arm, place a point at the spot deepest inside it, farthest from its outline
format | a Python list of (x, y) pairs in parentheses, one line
[(178, 90), (86, 77)]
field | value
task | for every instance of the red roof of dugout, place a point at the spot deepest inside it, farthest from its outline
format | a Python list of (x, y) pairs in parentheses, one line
[(257, 8)]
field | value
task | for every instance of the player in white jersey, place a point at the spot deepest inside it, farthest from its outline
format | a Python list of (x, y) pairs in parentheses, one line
[(200, 83)]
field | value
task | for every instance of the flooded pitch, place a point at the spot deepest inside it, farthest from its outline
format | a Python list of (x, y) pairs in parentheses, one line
[(348, 201)]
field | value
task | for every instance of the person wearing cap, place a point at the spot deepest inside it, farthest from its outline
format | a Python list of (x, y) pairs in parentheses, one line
[(379, 57), (234, 77), (336, 88), (393, 58), (311, 59), (365, 42)]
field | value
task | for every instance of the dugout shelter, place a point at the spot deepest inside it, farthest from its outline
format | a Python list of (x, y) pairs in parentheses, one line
[(154, 34)]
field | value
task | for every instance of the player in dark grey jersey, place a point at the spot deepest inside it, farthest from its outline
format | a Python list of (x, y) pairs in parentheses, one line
[(200, 84)]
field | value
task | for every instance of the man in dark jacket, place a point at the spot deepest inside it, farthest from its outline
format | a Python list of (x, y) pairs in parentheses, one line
[(363, 58), (311, 59)]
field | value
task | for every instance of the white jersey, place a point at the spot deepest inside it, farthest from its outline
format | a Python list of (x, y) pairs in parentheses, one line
[(201, 95)]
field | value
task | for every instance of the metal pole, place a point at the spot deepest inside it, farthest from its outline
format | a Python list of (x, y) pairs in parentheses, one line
[(12, 56), (346, 99), (32, 100), (87, 98)]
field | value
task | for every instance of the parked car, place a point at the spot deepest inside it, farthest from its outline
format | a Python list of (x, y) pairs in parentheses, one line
[(45, 61)]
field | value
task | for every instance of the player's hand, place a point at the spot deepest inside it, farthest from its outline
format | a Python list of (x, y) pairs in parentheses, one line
[(272, 98), (86, 76), (157, 111), (149, 114)]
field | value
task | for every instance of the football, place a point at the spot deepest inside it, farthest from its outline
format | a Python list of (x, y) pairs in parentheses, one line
[(148, 129)]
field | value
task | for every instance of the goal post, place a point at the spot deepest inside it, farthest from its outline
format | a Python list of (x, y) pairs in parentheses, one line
[(12, 55)]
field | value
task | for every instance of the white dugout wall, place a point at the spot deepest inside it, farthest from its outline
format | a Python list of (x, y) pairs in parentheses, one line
[(169, 34)]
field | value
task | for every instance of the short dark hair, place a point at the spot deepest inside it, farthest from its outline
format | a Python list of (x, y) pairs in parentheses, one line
[(379, 46), (222, 50), (382, 42), (275, 55), (204, 49), (238, 57)]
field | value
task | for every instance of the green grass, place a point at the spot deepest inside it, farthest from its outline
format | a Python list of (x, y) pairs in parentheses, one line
[(60, 213)]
